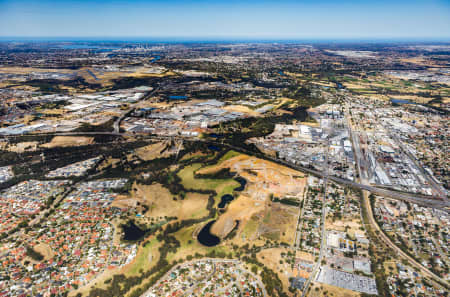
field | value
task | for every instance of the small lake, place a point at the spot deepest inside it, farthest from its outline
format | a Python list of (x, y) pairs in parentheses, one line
[(214, 148), (228, 198), (206, 238), (225, 200), (242, 181), (131, 232), (401, 101), (339, 85), (176, 97), (155, 59)]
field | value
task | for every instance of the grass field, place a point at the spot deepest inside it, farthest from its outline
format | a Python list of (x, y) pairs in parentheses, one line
[(152, 151), (190, 245), (145, 258), (161, 202), (272, 259), (190, 182), (273, 220)]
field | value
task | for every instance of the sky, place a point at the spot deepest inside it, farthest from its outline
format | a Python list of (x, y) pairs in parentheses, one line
[(213, 19)]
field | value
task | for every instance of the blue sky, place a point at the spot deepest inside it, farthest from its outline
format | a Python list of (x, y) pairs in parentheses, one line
[(309, 19)]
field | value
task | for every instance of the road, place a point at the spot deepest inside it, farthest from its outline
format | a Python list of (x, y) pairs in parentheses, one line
[(383, 238), (322, 229), (423, 200), (213, 260), (380, 234), (117, 122), (298, 232), (437, 188)]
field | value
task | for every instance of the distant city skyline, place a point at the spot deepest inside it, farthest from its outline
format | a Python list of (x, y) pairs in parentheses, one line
[(215, 20)]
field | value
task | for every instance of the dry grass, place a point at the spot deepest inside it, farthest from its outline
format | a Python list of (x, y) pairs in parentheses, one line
[(23, 146), (263, 177), (271, 258), (243, 109), (152, 151), (242, 209), (26, 70), (279, 223), (63, 141), (252, 208), (45, 250), (161, 202), (108, 162)]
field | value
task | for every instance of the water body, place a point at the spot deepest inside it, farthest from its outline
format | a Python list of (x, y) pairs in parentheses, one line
[(401, 101), (87, 46), (177, 97), (225, 200), (131, 232), (214, 148), (242, 181), (157, 58), (228, 198), (206, 238)]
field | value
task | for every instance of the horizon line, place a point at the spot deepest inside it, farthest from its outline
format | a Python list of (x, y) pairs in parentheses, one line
[(223, 38)]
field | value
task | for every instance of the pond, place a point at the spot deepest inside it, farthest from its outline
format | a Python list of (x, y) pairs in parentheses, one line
[(206, 238), (214, 148), (242, 181), (228, 198), (401, 101), (225, 200), (176, 97), (131, 232)]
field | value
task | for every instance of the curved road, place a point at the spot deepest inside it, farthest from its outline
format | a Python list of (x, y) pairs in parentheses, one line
[(423, 200), (380, 234)]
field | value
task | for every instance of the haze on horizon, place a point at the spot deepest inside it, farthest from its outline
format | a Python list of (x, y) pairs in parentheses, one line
[(323, 19)]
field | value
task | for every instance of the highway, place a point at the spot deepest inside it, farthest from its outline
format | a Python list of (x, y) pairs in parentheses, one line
[(383, 238), (378, 232), (423, 200), (117, 122), (437, 188)]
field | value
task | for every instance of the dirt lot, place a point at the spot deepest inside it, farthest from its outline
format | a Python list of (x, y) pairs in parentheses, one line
[(253, 207), (242, 209), (263, 177), (45, 250), (69, 141)]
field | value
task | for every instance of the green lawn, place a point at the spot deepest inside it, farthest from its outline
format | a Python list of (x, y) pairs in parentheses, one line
[(190, 182), (142, 258)]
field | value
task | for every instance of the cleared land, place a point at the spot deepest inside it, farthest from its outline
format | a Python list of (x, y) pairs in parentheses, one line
[(69, 141), (253, 207)]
